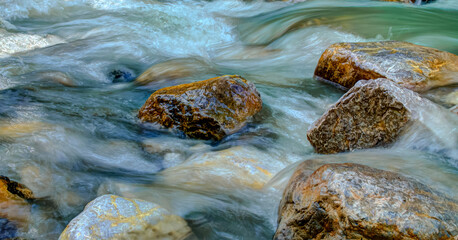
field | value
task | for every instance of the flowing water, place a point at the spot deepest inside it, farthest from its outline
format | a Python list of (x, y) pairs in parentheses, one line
[(68, 126)]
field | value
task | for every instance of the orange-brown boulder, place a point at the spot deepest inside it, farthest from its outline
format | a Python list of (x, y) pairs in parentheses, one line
[(352, 201), (412, 66), (209, 109)]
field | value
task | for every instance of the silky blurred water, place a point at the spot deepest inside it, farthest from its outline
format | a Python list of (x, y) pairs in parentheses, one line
[(68, 126)]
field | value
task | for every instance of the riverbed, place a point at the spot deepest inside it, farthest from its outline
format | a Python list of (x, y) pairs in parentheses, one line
[(68, 103)]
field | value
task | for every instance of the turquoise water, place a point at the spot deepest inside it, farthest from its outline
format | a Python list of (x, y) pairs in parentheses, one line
[(68, 107)]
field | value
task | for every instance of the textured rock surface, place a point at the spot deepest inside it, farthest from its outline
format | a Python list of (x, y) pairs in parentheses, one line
[(372, 113), (13, 202), (209, 109), (412, 66), (352, 201), (114, 217)]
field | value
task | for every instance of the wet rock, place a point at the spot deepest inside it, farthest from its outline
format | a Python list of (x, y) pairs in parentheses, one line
[(16, 130), (118, 76), (13, 201), (173, 69), (374, 113), (236, 168), (209, 109), (415, 67), (12, 42), (39, 180), (114, 217), (7, 229), (410, 1), (352, 201), (57, 77)]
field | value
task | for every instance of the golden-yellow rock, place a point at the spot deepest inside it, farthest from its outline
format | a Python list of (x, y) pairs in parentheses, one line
[(13, 201), (209, 109), (412, 66), (352, 201)]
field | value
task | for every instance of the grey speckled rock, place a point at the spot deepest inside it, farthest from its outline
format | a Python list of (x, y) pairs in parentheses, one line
[(374, 113), (413, 66), (114, 217), (352, 201)]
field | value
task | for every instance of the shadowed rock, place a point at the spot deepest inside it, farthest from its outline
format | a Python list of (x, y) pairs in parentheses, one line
[(374, 113), (209, 109), (412, 66), (113, 217), (352, 201)]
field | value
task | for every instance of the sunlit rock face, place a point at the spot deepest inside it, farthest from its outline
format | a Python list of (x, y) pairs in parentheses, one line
[(373, 113), (209, 109), (352, 201), (412, 66), (114, 217), (14, 208)]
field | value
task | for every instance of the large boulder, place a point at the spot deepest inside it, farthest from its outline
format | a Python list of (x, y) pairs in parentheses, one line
[(415, 67), (209, 109), (352, 201), (374, 113), (14, 206), (114, 217)]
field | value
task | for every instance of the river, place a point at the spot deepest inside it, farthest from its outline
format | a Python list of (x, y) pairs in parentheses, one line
[(68, 106)]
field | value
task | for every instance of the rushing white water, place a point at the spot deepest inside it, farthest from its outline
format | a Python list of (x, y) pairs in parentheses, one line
[(68, 126)]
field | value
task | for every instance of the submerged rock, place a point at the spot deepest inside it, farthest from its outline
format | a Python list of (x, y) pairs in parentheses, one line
[(173, 69), (114, 217), (410, 1), (352, 201), (121, 75), (13, 202), (415, 67), (209, 109), (372, 113), (236, 168), (7, 229), (17, 130), (57, 77)]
